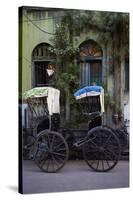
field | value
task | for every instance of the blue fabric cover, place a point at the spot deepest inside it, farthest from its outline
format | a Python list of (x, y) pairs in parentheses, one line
[(88, 89)]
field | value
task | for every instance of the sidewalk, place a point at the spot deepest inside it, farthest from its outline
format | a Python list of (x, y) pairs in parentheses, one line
[(74, 176)]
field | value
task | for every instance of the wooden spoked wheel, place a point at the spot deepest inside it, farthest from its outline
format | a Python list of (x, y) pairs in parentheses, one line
[(101, 150), (51, 151)]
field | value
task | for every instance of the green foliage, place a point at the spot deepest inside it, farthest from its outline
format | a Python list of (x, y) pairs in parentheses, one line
[(108, 101), (67, 81), (63, 47), (111, 27)]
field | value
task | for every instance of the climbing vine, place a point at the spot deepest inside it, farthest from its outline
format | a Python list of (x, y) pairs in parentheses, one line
[(112, 28)]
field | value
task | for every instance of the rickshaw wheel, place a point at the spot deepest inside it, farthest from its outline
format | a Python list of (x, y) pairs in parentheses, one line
[(51, 151), (101, 150)]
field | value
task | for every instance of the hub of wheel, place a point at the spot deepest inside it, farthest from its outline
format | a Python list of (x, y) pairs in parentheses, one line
[(101, 149)]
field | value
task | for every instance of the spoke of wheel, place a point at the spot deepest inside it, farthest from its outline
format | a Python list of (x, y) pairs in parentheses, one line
[(42, 163), (100, 140), (61, 149), (52, 162), (59, 159), (92, 162), (59, 154), (107, 141), (93, 143), (107, 163), (48, 164), (97, 164), (112, 152), (112, 147), (103, 164), (52, 142), (56, 163), (107, 155), (48, 140), (100, 137), (56, 147)]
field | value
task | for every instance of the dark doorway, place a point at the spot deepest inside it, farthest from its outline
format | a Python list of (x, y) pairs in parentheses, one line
[(41, 76)]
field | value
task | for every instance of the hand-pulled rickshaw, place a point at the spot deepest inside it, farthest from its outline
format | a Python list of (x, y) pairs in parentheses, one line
[(100, 145)]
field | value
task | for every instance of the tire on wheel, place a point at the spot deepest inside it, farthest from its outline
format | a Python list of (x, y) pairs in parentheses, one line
[(51, 151), (101, 151)]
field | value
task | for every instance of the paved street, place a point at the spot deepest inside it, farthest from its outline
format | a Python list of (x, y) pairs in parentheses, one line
[(75, 175)]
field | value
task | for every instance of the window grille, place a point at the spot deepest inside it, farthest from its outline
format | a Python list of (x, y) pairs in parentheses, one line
[(90, 63), (91, 72), (42, 57)]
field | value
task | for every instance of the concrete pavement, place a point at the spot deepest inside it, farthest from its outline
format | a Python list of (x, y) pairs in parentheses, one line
[(74, 176)]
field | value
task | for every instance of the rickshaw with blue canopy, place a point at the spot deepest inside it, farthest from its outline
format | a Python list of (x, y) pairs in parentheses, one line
[(100, 146)]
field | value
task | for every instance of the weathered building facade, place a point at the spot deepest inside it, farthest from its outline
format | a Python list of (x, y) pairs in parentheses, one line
[(95, 60)]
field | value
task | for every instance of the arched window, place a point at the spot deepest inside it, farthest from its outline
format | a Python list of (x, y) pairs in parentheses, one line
[(42, 59), (90, 63), (42, 51)]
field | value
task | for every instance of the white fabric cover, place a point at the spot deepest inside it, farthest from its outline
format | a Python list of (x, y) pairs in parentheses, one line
[(53, 100)]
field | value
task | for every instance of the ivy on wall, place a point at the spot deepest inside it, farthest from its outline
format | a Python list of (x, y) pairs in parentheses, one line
[(112, 28)]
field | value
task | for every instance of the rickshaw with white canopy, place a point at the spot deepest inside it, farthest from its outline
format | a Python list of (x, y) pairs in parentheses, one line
[(100, 146)]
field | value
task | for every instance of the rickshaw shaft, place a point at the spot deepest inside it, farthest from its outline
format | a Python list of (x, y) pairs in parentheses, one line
[(81, 142)]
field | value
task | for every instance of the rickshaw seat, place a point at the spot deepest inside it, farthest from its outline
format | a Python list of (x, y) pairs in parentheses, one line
[(92, 115)]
